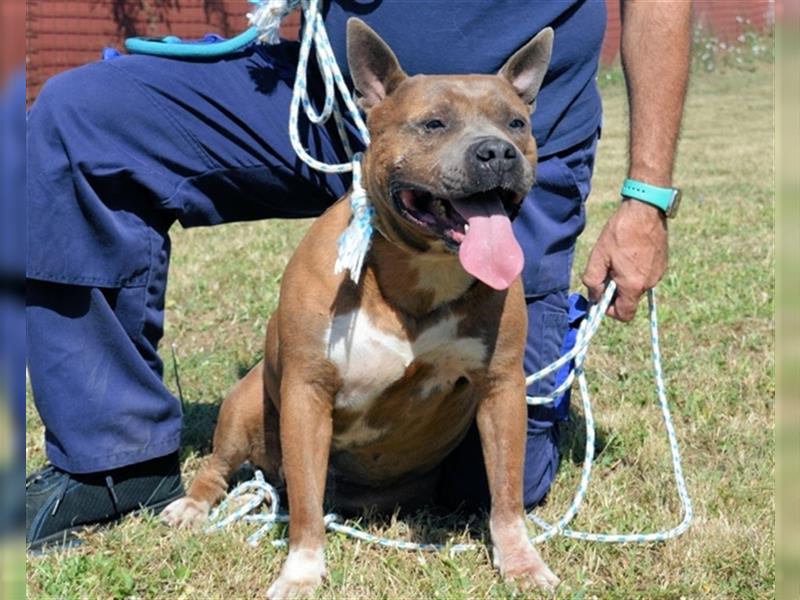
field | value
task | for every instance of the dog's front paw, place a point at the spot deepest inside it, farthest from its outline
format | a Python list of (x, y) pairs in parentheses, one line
[(186, 512), (517, 559), (523, 565), (301, 574)]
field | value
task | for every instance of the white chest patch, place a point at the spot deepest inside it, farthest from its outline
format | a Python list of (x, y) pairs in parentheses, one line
[(370, 360)]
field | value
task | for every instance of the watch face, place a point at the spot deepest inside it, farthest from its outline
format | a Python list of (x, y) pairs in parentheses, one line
[(674, 203)]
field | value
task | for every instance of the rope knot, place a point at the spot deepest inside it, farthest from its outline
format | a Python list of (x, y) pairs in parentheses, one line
[(355, 241), (267, 18)]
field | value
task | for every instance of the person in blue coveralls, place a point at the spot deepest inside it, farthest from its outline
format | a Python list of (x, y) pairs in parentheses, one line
[(121, 149)]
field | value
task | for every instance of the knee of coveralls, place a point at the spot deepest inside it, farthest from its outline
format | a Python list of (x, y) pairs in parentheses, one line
[(94, 186)]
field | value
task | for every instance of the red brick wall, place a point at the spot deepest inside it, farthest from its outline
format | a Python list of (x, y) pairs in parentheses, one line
[(66, 33), (12, 44)]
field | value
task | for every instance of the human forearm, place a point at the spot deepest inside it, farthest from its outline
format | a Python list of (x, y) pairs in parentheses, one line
[(656, 41)]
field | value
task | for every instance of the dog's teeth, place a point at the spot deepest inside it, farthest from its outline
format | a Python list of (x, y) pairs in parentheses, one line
[(438, 207), (466, 228)]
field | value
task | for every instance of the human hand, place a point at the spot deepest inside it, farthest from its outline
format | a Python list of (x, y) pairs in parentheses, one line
[(632, 250)]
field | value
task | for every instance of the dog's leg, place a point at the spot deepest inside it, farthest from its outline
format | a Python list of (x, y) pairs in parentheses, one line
[(501, 422), (306, 429), (238, 431)]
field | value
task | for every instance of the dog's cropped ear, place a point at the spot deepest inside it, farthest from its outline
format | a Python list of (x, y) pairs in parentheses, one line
[(526, 68), (373, 65)]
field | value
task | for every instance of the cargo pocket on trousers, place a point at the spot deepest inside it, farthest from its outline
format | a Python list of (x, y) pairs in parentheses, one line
[(548, 226)]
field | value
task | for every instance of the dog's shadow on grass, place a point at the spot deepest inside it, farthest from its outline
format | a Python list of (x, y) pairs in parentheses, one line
[(200, 420)]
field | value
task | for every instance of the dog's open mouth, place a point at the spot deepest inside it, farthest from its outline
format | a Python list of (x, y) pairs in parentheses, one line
[(442, 217), (478, 227)]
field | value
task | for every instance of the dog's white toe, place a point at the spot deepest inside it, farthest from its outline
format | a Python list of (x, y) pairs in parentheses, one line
[(546, 579), (301, 574), (185, 512)]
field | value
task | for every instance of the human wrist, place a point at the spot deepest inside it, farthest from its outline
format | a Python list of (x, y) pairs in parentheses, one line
[(643, 211), (665, 199)]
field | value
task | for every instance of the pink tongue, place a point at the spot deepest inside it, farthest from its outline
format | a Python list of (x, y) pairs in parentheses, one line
[(489, 250)]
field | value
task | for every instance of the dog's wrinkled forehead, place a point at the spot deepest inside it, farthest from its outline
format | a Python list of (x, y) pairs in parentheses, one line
[(468, 100)]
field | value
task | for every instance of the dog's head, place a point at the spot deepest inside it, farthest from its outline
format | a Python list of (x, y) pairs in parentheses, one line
[(451, 157)]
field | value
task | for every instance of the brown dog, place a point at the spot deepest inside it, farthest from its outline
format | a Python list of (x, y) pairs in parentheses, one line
[(365, 388)]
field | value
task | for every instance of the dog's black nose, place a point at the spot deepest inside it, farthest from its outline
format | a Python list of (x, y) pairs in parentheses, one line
[(496, 154)]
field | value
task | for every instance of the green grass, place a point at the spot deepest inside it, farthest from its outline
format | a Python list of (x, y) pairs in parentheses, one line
[(716, 307)]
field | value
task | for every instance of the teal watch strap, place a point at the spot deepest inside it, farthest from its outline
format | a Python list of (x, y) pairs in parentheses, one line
[(657, 196)]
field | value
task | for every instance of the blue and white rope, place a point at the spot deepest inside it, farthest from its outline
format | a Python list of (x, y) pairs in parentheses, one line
[(585, 333), (589, 327), (261, 492), (355, 240), (314, 33)]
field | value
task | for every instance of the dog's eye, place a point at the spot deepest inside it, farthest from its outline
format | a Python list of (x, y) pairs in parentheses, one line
[(432, 124), (516, 124)]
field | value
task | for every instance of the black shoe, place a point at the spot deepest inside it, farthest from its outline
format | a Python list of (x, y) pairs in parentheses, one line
[(59, 504)]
